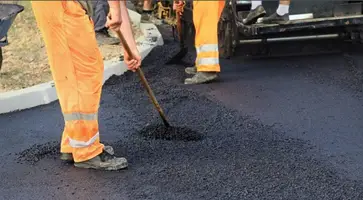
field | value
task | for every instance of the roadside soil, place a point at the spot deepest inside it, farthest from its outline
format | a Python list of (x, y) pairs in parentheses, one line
[(25, 61)]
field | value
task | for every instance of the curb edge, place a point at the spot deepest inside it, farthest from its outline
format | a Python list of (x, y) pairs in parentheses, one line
[(45, 93)]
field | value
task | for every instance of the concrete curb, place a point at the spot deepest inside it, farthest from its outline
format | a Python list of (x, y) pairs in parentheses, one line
[(45, 93)]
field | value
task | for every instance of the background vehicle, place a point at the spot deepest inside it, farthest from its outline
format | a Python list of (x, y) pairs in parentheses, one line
[(309, 19), (8, 13)]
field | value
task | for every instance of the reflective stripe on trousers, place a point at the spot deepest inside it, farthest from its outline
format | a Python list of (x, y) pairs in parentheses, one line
[(207, 48), (206, 16), (77, 68), (207, 61), (82, 144), (81, 116)]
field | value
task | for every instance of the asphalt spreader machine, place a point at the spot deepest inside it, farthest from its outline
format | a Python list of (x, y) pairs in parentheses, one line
[(308, 20)]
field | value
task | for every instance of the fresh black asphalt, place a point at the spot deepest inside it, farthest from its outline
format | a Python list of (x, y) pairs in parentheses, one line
[(288, 128)]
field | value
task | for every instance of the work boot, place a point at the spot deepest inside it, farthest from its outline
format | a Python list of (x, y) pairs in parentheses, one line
[(254, 14), (276, 19), (104, 38), (104, 161), (66, 157), (201, 77), (69, 157), (191, 70)]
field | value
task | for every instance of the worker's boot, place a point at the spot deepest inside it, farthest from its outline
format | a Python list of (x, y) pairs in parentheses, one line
[(254, 14), (66, 157), (104, 161), (276, 19), (69, 157), (201, 77), (191, 70), (104, 38)]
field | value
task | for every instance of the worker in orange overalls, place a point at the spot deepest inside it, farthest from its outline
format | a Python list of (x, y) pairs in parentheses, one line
[(77, 68), (206, 16)]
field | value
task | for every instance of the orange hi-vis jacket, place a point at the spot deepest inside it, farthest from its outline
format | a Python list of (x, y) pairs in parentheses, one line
[(206, 16), (77, 68)]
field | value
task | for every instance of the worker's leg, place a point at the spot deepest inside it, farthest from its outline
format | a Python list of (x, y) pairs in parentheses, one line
[(147, 13), (281, 15), (77, 68), (283, 8), (100, 12), (148, 5), (139, 4), (256, 12), (206, 16)]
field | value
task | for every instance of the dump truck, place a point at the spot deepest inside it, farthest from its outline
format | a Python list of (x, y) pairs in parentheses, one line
[(309, 19)]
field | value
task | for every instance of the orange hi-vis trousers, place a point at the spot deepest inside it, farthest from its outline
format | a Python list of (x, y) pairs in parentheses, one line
[(206, 16), (77, 69)]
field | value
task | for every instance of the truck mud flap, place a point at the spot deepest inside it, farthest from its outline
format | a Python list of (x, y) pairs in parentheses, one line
[(227, 30), (187, 26)]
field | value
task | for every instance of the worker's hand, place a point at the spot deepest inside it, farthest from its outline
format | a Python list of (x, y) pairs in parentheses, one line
[(114, 19), (178, 6), (132, 63)]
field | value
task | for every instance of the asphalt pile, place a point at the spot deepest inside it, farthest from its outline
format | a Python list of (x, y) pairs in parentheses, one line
[(238, 157), (160, 131), (37, 152)]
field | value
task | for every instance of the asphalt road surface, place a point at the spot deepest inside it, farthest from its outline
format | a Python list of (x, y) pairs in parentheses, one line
[(287, 128)]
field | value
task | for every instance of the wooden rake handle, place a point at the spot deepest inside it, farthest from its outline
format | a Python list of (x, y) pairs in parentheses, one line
[(143, 80)]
